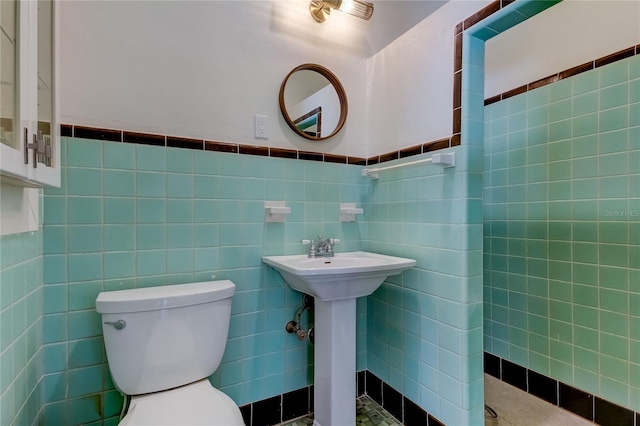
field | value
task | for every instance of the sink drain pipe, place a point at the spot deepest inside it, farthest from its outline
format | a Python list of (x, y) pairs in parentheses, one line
[(294, 326)]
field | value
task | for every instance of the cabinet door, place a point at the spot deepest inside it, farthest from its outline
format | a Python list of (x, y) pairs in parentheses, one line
[(13, 56), (29, 153), (46, 126)]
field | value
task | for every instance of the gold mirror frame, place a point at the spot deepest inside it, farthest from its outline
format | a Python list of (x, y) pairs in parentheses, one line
[(342, 97)]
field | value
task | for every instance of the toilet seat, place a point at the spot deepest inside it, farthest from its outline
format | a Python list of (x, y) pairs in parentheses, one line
[(196, 404)]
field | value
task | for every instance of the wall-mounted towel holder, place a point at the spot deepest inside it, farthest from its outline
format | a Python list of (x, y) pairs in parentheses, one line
[(348, 212), (275, 211), (445, 159)]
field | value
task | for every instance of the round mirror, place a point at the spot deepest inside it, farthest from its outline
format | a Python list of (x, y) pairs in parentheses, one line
[(313, 102)]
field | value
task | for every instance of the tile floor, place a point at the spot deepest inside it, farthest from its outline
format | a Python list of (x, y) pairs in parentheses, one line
[(513, 406), (516, 407), (368, 413)]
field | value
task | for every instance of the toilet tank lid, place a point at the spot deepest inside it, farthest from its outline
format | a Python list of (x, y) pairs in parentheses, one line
[(163, 297)]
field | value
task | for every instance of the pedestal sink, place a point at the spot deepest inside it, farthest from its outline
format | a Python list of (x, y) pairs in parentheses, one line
[(336, 282)]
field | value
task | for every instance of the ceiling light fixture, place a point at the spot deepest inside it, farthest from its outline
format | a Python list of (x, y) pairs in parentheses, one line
[(321, 9)]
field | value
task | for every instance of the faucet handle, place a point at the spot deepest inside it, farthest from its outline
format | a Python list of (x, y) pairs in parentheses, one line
[(312, 247), (335, 240)]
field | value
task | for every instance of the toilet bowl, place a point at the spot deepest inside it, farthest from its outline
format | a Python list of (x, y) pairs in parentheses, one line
[(162, 344), (195, 404)]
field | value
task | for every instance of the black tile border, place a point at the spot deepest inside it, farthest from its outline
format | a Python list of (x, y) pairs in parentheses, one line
[(492, 365), (253, 150), (269, 410), (610, 414), (245, 410), (125, 136), (514, 374), (392, 401), (99, 134), (298, 403), (221, 147), (579, 402), (543, 387), (174, 142), (279, 408), (295, 404), (575, 400), (402, 408), (373, 387), (360, 378), (432, 421), (66, 130), (143, 138), (413, 414)]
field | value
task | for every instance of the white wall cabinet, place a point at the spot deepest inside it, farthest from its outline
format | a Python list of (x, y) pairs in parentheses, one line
[(29, 123)]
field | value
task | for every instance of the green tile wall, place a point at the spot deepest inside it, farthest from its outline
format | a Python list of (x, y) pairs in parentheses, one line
[(425, 325), (562, 231), (132, 215), (21, 307)]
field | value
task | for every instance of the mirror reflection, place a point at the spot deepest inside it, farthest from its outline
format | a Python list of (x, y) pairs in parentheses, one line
[(313, 102)]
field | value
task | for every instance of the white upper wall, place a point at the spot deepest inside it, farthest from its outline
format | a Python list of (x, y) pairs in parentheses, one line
[(566, 35), (411, 82), (204, 68)]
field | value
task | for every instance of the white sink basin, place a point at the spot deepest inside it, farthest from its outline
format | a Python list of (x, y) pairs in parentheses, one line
[(344, 276)]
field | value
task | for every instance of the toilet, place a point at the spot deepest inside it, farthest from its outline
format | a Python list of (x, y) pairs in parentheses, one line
[(162, 344)]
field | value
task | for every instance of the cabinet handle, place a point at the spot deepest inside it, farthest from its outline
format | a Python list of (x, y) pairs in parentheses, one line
[(47, 151), (41, 141), (28, 146), (36, 151)]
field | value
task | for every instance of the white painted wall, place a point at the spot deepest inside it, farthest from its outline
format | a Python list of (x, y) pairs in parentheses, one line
[(411, 82), (204, 68), (19, 209)]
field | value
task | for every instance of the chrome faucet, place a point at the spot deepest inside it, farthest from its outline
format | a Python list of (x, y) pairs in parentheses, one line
[(321, 248)]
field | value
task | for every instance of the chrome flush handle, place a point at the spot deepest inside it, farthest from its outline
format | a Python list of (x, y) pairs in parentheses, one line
[(118, 325)]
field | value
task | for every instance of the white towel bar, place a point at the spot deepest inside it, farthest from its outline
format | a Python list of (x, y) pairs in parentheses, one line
[(447, 159)]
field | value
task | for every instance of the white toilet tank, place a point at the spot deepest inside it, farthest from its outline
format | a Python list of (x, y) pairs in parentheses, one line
[(158, 338)]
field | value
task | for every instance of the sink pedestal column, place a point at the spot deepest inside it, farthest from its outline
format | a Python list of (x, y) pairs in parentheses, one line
[(335, 363)]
